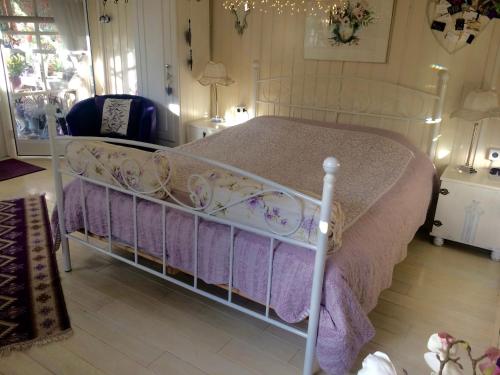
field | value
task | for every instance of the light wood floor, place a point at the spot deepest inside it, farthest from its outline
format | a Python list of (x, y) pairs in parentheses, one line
[(127, 322)]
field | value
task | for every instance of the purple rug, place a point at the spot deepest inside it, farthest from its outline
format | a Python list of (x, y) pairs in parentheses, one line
[(12, 168), (32, 307)]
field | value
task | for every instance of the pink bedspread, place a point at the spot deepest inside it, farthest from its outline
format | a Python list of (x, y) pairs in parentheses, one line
[(355, 275)]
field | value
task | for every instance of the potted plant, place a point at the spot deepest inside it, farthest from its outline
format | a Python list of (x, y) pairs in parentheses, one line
[(16, 64)]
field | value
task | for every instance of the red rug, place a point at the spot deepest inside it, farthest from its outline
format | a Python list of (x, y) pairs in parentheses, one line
[(32, 307), (12, 168)]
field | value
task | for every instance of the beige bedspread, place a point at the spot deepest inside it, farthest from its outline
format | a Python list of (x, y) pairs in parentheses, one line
[(291, 153)]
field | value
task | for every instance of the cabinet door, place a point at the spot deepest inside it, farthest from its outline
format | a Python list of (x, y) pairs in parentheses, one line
[(468, 214), (195, 133)]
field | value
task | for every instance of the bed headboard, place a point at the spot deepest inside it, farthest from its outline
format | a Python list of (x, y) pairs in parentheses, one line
[(348, 99)]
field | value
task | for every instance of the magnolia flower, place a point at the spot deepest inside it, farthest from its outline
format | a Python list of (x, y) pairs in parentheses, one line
[(438, 345), (377, 364), (491, 366)]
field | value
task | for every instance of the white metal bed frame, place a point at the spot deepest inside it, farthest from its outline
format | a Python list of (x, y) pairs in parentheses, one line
[(330, 166)]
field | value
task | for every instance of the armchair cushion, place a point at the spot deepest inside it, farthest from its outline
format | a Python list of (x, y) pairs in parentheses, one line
[(85, 118), (116, 116)]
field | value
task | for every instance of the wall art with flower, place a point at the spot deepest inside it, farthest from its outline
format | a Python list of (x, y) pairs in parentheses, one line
[(356, 30)]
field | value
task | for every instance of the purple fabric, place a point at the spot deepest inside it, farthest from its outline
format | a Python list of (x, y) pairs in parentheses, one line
[(354, 276), (84, 119)]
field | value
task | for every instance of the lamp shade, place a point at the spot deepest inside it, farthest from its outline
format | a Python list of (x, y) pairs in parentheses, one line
[(215, 74), (479, 105)]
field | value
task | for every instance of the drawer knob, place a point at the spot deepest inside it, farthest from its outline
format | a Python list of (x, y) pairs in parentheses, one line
[(437, 223), (444, 191)]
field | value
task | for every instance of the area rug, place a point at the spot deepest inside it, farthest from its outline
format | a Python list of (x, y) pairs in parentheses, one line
[(32, 307), (12, 168)]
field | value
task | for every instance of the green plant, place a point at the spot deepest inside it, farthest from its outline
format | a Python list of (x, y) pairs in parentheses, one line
[(16, 64)]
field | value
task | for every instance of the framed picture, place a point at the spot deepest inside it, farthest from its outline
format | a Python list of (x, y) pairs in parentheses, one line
[(358, 30)]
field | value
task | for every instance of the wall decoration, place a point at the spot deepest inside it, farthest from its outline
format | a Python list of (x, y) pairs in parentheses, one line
[(458, 23), (240, 14), (353, 31)]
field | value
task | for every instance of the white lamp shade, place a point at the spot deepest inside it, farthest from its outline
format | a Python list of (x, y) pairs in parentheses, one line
[(215, 74), (479, 105)]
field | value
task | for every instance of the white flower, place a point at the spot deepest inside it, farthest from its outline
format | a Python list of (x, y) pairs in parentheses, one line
[(377, 364), (438, 345), (451, 368)]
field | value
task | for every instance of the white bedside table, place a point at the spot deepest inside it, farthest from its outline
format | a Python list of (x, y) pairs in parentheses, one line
[(468, 210), (202, 128)]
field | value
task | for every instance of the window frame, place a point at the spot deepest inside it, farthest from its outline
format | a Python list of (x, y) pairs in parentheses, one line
[(37, 33)]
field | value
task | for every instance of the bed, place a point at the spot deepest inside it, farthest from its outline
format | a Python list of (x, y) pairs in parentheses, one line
[(332, 278)]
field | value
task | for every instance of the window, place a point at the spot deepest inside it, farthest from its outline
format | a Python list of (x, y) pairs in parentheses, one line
[(37, 64)]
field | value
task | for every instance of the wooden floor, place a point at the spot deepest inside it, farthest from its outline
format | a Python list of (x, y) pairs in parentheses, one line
[(127, 322)]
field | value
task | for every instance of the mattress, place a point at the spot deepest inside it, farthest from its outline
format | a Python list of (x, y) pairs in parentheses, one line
[(374, 240)]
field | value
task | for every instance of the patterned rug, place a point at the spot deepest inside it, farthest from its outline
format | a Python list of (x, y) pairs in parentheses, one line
[(32, 308)]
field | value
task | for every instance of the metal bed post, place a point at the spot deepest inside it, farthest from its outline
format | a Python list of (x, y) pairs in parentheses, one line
[(58, 184), (330, 166), (436, 120)]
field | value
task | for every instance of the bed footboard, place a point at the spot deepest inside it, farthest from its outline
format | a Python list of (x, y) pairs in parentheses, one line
[(320, 245)]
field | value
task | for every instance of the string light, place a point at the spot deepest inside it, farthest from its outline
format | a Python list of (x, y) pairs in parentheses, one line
[(292, 7)]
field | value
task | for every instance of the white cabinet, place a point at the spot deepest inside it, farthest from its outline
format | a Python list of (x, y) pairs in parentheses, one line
[(202, 128), (468, 210)]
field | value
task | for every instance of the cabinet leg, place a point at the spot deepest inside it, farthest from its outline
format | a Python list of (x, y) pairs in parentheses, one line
[(438, 241), (495, 255)]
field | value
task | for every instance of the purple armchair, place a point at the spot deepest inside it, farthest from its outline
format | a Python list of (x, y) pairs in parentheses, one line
[(84, 119)]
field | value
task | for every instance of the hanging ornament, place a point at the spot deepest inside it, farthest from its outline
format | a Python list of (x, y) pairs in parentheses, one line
[(310, 7)]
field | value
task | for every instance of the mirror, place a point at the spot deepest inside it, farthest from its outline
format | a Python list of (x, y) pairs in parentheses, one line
[(241, 13)]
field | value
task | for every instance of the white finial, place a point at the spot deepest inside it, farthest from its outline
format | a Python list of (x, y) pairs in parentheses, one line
[(330, 165)]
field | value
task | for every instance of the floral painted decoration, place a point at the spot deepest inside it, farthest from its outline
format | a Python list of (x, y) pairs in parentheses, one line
[(348, 20), (246, 201)]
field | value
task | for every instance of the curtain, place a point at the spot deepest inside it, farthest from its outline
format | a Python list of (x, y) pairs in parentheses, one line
[(70, 20)]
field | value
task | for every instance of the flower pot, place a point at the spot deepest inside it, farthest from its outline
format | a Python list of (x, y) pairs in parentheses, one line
[(15, 81)]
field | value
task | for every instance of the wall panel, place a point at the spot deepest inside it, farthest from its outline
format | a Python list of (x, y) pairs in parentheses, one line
[(277, 42)]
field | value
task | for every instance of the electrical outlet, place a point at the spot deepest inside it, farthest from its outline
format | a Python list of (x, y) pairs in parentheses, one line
[(494, 154), (241, 109)]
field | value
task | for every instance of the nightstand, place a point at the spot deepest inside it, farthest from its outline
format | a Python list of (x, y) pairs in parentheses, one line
[(468, 210), (202, 128)]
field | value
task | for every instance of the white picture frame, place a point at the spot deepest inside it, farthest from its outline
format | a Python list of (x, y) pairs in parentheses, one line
[(360, 31)]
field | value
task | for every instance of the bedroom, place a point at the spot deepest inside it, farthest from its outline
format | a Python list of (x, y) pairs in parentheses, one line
[(161, 297)]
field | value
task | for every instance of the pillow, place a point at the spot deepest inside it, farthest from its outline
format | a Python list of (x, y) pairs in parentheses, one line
[(237, 198), (116, 116), (140, 171)]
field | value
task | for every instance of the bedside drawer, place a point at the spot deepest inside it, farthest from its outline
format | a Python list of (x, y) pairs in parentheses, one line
[(194, 133), (468, 214)]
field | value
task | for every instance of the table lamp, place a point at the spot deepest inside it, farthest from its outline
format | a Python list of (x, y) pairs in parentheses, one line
[(214, 75), (479, 105)]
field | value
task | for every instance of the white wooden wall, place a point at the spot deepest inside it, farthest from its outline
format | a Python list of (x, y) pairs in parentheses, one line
[(113, 46), (277, 42), (131, 51)]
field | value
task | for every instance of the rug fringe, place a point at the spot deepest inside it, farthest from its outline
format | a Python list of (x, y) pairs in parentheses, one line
[(21, 346)]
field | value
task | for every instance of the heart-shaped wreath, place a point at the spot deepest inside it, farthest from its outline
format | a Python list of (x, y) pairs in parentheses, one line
[(457, 23)]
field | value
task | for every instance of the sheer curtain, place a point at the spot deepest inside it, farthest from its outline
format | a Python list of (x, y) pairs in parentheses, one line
[(70, 20)]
